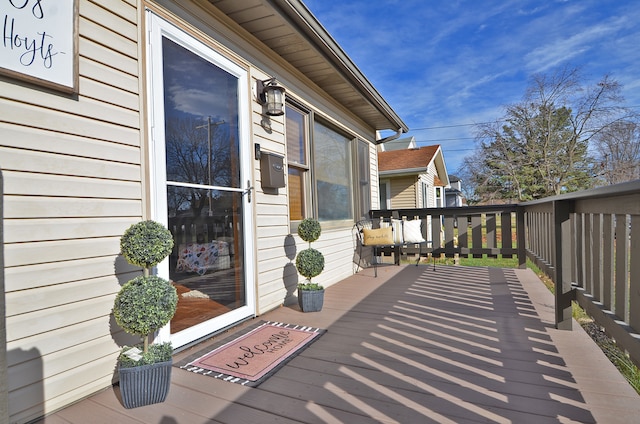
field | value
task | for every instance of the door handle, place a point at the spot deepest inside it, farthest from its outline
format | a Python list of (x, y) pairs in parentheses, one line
[(247, 191)]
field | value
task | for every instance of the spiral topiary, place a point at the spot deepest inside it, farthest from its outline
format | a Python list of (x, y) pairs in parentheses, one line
[(146, 244)]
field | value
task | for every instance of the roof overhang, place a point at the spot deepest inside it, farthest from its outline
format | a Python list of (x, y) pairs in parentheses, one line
[(441, 168), (402, 172), (290, 30)]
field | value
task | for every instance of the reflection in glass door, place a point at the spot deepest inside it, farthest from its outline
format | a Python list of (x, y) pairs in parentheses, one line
[(199, 183)]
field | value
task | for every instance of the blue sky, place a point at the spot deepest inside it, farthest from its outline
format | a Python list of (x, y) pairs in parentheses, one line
[(448, 63)]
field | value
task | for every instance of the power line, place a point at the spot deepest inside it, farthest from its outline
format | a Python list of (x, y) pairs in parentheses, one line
[(452, 126), (503, 120), (445, 139)]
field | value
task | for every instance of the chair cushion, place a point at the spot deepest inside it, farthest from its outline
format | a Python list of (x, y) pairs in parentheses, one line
[(377, 236), (412, 232)]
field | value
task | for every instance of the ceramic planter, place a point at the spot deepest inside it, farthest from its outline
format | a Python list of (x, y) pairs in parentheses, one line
[(310, 300), (145, 385)]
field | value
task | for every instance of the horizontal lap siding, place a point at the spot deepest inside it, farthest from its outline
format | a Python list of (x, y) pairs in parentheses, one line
[(276, 247), (272, 218), (403, 192), (72, 183)]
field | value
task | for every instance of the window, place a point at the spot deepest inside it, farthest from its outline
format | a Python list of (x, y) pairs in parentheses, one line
[(425, 194), (385, 194), (364, 177), (438, 197), (333, 174), (297, 160), (338, 185)]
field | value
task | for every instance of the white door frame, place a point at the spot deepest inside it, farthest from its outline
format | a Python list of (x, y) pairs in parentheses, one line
[(159, 28)]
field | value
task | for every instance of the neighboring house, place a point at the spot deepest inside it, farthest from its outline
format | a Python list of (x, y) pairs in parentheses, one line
[(398, 144), (180, 136), (453, 194), (412, 178)]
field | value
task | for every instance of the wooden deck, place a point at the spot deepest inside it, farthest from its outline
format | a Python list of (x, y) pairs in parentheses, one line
[(458, 345)]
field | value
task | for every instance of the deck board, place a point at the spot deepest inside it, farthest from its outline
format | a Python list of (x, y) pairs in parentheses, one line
[(460, 345)]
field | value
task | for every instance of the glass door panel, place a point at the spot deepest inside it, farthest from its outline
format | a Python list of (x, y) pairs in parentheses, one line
[(201, 133), (206, 265)]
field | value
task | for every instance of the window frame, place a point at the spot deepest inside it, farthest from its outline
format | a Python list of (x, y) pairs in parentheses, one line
[(438, 196), (309, 179), (425, 194), (385, 204), (306, 168)]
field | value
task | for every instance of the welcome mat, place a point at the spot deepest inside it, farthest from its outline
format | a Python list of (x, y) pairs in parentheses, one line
[(254, 355)]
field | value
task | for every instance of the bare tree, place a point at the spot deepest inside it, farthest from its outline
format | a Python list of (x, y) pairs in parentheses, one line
[(619, 147), (194, 159)]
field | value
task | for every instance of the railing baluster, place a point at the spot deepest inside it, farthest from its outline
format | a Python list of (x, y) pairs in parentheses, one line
[(491, 233), (596, 256), (607, 260), (634, 273), (476, 235), (621, 288)]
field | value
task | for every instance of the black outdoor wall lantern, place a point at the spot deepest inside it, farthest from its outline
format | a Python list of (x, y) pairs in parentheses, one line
[(271, 94)]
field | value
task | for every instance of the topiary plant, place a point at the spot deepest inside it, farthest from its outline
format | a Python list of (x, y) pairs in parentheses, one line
[(147, 302), (146, 244), (309, 262), (309, 230)]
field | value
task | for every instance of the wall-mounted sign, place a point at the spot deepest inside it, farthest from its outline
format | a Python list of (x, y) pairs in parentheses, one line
[(40, 42)]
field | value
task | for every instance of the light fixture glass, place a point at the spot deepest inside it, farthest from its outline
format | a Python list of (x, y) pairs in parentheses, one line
[(272, 96)]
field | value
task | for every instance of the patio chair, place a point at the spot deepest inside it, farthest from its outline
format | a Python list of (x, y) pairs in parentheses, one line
[(377, 237)]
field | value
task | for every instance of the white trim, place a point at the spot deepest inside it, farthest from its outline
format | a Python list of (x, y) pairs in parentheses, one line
[(160, 28), (387, 201)]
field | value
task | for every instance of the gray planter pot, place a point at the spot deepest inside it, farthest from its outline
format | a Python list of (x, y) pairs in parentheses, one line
[(145, 385), (310, 300)]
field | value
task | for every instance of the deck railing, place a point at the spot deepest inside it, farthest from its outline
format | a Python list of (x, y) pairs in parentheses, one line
[(471, 231), (588, 243)]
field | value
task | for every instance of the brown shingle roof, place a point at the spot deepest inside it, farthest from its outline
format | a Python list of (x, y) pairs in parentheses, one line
[(406, 159)]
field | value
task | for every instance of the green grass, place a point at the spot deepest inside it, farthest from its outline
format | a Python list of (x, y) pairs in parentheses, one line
[(498, 262)]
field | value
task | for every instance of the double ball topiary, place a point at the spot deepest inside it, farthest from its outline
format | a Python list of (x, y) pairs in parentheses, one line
[(147, 302), (309, 262)]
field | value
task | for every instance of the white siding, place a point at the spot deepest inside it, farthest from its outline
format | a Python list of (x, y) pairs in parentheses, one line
[(272, 217), (276, 246), (432, 172), (72, 183)]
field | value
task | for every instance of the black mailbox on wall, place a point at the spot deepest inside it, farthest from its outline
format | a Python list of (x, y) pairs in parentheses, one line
[(271, 170)]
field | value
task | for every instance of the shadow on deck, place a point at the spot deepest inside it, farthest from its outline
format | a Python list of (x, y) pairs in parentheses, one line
[(458, 345)]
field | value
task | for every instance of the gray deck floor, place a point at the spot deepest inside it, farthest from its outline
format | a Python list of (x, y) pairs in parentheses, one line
[(458, 345)]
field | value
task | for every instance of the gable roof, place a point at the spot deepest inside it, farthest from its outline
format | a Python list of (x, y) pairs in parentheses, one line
[(294, 34), (412, 162), (407, 159)]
